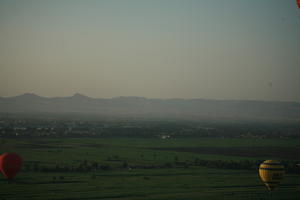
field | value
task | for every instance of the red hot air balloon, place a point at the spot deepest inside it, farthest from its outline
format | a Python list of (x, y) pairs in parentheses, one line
[(10, 164), (298, 2)]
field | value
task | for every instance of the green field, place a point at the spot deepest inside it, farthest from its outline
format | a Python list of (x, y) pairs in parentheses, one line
[(136, 180)]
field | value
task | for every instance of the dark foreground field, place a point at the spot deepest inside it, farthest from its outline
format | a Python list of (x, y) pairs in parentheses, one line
[(155, 169)]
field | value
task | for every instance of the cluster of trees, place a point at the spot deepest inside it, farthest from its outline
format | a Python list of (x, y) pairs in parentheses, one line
[(93, 166), (83, 166), (290, 166), (225, 164)]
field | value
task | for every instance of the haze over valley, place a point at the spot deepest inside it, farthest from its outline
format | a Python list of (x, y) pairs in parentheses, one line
[(140, 107)]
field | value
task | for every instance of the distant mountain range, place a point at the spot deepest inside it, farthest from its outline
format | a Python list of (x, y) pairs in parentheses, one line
[(152, 108)]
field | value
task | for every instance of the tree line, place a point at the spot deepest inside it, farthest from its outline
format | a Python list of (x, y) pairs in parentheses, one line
[(94, 166)]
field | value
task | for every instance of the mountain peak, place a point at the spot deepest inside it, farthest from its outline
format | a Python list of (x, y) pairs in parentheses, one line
[(78, 95)]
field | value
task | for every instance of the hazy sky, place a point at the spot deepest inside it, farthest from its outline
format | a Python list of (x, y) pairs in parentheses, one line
[(220, 49)]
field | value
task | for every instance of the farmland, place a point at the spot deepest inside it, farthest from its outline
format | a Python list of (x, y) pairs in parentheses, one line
[(145, 168)]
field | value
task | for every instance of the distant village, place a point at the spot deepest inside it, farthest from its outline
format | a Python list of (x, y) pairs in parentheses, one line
[(140, 128)]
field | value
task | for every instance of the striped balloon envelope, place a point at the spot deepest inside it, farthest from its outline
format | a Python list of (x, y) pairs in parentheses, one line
[(271, 172)]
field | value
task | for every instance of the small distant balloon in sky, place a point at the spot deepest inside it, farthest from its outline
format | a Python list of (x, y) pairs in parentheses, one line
[(270, 84)]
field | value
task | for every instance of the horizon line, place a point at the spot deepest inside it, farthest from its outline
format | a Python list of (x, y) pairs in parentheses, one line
[(141, 97)]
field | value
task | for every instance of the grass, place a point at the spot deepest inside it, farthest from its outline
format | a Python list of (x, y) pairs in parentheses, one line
[(124, 184)]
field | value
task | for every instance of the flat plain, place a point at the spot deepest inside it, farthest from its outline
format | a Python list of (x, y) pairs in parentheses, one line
[(145, 168)]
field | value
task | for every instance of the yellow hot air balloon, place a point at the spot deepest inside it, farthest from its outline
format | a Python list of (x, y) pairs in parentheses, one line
[(271, 172)]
